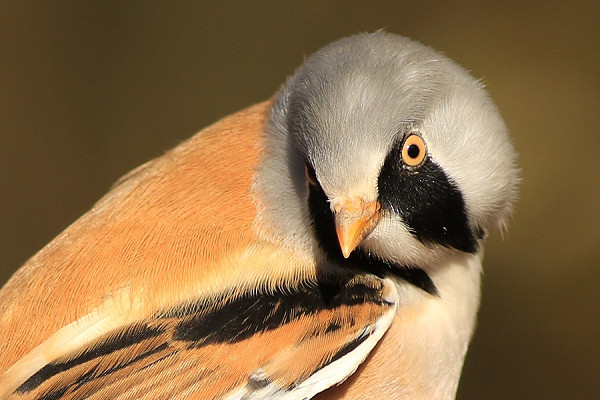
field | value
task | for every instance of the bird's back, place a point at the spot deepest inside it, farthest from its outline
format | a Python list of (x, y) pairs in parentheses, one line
[(162, 232)]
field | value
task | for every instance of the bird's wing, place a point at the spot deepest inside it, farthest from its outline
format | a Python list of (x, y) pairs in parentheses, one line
[(282, 343)]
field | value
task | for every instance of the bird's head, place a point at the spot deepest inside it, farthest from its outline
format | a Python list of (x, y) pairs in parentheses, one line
[(383, 146)]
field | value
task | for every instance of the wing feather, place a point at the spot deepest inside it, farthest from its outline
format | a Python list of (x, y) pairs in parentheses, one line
[(288, 343)]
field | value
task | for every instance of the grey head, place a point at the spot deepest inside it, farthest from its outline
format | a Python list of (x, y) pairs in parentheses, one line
[(381, 144)]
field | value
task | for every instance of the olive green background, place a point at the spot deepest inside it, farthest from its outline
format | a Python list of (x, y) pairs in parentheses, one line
[(89, 90)]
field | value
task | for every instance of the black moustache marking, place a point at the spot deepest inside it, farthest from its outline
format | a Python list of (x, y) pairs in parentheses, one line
[(324, 229), (428, 201)]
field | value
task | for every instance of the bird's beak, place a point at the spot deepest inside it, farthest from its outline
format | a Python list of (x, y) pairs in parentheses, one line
[(354, 219)]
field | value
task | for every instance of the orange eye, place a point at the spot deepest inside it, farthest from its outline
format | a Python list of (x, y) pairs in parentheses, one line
[(311, 176), (414, 151)]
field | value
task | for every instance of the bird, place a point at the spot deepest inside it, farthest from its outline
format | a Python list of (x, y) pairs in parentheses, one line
[(326, 243)]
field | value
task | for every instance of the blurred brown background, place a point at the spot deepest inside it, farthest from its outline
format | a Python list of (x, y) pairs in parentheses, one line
[(89, 90)]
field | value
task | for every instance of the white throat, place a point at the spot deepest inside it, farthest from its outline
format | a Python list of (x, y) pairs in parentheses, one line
[(433, 333)]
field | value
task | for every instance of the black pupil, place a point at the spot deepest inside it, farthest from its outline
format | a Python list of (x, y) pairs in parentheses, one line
[(413, 151)]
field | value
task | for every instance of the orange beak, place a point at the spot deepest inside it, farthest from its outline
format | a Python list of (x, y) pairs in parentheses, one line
[(354, 220)]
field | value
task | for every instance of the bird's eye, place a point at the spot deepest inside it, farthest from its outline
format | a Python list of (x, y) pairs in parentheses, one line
[(311, 176), (414, 151)]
